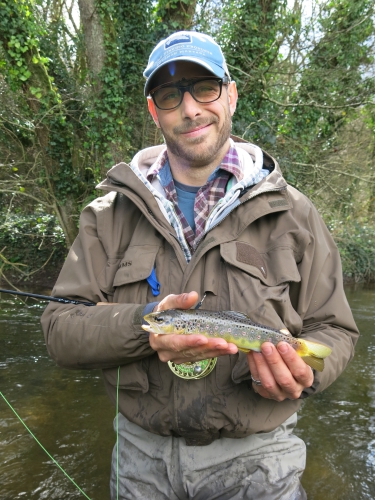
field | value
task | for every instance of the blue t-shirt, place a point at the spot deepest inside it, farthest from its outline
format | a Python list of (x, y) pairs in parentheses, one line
[(186, 199)]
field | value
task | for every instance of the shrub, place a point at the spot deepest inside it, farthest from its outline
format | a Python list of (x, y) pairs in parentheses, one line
[(356, 243), (30, 241)]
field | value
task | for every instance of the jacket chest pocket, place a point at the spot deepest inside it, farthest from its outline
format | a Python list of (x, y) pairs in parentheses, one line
[(134, 270), (259, 283), (130, 283)]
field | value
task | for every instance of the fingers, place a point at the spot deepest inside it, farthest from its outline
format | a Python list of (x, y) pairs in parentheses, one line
[(181, 301), (189, 348), (300, 371), (282, 372)]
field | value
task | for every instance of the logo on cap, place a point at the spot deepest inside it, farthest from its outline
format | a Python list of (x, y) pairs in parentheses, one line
[(177, 39)]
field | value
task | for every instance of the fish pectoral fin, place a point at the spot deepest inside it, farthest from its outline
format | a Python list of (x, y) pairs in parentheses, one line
[(315, 363), (243, 350)]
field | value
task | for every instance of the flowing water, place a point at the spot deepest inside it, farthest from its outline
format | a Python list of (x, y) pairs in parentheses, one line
[(69, 413)]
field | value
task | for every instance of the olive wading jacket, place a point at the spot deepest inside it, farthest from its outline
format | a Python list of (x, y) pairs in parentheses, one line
[(271, 257)]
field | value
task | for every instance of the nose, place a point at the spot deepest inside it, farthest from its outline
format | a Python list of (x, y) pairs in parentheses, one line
[(189, 107)]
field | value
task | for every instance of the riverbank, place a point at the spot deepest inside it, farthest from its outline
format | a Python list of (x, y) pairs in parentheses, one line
[(37, 282)]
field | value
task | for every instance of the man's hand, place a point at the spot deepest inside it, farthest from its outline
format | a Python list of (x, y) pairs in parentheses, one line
[(281, 371), (186, 348)]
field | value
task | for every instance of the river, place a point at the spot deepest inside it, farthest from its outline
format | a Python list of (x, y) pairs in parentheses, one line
[(70, 415)]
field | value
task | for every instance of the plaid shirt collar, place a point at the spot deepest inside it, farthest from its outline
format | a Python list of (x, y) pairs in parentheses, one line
[(207, 195)]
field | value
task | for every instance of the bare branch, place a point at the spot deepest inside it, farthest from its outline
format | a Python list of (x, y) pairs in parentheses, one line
[(42, 202), (330, 169), (313, 104), (69, 10)]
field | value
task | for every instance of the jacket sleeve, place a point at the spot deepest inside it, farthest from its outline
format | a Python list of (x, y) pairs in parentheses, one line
[(91, 336), (321, 302)]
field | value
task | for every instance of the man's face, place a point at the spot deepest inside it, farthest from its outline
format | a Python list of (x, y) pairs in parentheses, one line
[(194, 132)]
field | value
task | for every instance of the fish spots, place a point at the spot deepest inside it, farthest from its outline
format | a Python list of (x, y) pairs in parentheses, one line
[(232, 326)]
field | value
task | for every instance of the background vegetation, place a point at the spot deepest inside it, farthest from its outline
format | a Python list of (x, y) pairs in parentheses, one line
[(72, 105)]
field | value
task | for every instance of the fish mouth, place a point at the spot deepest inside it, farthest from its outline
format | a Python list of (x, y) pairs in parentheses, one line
[(152, 329)]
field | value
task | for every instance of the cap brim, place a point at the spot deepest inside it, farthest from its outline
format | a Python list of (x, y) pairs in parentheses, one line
[(215, 69)]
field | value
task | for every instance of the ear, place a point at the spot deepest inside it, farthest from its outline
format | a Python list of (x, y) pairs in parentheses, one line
[(152, 110), (232, 97)]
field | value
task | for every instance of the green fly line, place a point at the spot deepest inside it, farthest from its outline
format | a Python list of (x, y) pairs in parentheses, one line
[(51, 457)]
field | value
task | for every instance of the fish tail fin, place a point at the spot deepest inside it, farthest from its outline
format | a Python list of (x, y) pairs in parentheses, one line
[(315, 349), (313, 353)]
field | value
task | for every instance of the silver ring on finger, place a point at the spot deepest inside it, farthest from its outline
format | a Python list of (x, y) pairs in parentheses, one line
[(256, 382)]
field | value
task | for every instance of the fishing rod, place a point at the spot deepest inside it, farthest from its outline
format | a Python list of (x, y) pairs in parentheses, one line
[(48, 297)]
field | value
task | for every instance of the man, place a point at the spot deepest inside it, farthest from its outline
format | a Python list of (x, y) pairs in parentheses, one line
[(204, 214)]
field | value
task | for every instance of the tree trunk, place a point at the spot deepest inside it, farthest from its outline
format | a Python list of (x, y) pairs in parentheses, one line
[(93, 33)]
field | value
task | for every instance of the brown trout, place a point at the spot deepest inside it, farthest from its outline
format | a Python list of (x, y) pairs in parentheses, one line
[(234, 327)]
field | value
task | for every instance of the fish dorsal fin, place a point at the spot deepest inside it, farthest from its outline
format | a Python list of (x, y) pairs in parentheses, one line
[(240, 316), (236, 315)]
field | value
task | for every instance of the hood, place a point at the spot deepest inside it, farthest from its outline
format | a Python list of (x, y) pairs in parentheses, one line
[(142, 161)]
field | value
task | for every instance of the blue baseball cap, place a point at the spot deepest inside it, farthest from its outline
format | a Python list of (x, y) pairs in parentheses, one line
[(186, 46)]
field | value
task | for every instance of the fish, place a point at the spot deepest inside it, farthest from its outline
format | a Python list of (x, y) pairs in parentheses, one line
[(234, 327)]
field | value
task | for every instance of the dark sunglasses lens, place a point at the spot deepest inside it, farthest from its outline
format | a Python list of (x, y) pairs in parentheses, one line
[(206, 90), (203, 91), (167, 97)]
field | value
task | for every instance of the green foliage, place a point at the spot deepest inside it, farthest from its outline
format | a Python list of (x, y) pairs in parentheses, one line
[(356, 244), (173, 15), (38, 71), (19, 37), (136, 40), (107, 139), (251, 44), (33, 239), (332, 78)]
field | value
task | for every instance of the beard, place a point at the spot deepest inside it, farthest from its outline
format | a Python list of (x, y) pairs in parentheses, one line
[(188, 150)]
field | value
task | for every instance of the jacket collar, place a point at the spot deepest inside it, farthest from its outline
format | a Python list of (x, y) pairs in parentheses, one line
[(122, 175)]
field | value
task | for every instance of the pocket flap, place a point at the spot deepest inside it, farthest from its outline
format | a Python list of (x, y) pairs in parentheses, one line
[(273, 267), (136, 265)]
